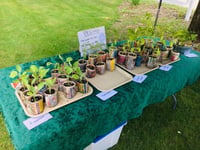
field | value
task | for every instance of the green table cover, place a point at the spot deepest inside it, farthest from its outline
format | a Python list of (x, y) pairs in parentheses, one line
[(76, 125)]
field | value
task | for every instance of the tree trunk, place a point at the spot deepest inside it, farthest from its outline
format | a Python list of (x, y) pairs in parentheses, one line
[(195, 23)]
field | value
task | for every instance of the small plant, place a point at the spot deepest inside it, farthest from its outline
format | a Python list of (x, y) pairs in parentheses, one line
[(38, 73), (33, 90), (22, 77), (49, 83), (135, 2)]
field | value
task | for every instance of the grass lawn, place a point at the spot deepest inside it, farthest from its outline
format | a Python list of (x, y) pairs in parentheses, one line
[(36, 29), (31, 30)]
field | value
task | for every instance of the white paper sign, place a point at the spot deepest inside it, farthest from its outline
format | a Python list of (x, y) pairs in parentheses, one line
[(139, 78), (106, 95), (191, 55), (92, 40), (166, 67), (36, 121)]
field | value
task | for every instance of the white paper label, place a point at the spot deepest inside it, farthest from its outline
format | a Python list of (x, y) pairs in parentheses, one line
[(36, 121), (191, 55), (139, 78), (106, 95), (92, 40), (166, 67)]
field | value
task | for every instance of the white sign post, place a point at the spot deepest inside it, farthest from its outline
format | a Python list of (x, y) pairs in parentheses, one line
[(92, 40)]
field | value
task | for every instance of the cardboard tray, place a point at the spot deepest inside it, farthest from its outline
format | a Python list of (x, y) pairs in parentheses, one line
[(110, 80), (138, 70), (167, 62), (62, 101)]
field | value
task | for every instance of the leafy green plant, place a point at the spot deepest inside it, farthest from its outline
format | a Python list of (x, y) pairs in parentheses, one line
[(33, 89), (135, 2), (184, 37), (22, 77), (49, 83), (78, 74)]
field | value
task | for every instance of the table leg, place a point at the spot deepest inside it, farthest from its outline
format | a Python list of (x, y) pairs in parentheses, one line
[(175, 101)]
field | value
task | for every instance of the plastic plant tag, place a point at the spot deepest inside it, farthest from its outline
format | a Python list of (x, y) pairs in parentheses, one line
[(36, 121), (166, 67), (139, 78), (106, 95), (191, 55)]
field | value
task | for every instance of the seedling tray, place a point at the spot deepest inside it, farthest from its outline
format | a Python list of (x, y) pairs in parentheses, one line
[(110, 80), (62, 101), (138, 70)]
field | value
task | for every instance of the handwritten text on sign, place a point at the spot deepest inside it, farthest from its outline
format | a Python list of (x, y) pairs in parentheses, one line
[(92, 40)]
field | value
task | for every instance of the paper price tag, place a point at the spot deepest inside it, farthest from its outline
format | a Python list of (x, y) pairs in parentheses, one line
[(106, 95), (166, 67), (139, 78), (36, 121), (191, 55)]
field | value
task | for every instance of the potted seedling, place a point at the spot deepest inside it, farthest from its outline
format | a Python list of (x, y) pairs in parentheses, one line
[(57, 69), (82, 64), (35, 103), (37, 73), (100, 67), (113, 50), (90, 71), (69, 87), (66, 71), (110, 63), (92, 59), (122, 56), (50, 94), (21, 79), (185, 41), (82, 83), (130, 60)]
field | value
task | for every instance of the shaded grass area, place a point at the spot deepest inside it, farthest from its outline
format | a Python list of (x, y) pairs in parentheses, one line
[(36, 29), (162, 128)]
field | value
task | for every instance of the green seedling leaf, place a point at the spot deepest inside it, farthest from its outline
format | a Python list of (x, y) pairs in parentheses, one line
[(69, 70), (34, 68), (13, 74), (61, 58), (19, 69), (75, 76), (69, 59)]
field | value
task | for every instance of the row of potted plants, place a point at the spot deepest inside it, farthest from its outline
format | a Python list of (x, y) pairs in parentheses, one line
[(97, 63), (145, 51), (37, 91)]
